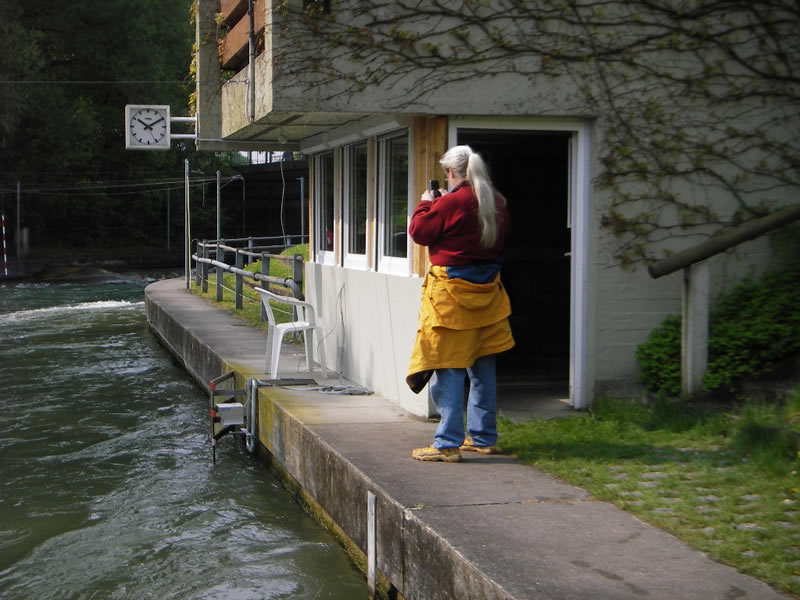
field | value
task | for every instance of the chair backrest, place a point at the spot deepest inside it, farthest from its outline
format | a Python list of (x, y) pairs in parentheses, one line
[(305, 311)]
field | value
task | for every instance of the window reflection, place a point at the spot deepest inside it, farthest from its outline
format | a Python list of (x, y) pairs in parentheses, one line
[(395, 196), (325, 193), (357, 199)]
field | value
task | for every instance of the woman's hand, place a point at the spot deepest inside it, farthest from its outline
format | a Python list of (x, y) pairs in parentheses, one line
[(427, 195)]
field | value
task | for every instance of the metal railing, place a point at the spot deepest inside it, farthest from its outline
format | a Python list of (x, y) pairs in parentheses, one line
[(232, 255)]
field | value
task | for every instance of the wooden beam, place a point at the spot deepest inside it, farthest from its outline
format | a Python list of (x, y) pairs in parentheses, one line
[(746, 231), (232, 10), (429, 143), (236, 42)]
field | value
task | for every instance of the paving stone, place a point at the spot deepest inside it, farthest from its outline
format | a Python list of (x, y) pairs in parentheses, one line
[(746, 517), (786, 524), (749, 553), (655, 475), (707, 509), (751, 497), (611, 486), (664, 510), (628, 493), (621, 476), (749, 527), (671, 500), (649, 484), (710, 498)]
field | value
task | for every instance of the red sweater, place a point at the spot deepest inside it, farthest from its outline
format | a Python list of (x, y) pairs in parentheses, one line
[(449, 227)]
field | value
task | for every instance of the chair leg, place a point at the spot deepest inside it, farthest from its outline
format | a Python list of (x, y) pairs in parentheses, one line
[(308, 342), (268, 351), (277, 340), (321, 352)]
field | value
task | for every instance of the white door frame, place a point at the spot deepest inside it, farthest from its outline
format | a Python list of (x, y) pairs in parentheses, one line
[(581, 378)]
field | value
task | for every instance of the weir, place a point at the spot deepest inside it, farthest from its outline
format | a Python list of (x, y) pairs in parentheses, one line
[(488, 528)]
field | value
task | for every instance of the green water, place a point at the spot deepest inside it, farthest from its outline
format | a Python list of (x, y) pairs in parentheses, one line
[(107, 489)]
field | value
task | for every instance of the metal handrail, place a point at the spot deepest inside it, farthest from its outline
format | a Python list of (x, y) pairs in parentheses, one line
[(220, 248)]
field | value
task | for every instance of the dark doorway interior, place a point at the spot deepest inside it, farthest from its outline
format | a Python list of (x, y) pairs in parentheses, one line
[(531, 168)]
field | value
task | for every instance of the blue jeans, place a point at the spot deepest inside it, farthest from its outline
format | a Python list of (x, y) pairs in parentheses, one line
[(447, 391)]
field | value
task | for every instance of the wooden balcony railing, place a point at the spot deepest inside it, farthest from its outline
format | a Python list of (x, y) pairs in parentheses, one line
[(234, 49)]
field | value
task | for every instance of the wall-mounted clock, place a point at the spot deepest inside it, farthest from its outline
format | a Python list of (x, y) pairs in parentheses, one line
[(147, 127)]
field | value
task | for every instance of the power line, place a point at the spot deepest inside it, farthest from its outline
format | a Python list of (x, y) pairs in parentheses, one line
[(94, 82), (111, 189)]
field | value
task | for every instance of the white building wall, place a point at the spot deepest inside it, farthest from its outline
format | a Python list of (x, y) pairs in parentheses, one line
[(369, 321)]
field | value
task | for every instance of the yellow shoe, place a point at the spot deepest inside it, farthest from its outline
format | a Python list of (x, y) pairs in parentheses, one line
[(469, 446), (440, 454)]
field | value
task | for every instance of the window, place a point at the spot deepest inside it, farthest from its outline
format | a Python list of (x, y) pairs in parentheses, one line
[(355, 197), (393, 196), (325, 192)]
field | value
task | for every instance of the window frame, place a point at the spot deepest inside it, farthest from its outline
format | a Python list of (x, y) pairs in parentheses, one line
[(325, 184), (350, 190), (386, 263)]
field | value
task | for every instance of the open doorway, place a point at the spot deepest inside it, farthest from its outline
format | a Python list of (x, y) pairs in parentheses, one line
[(531, 169)]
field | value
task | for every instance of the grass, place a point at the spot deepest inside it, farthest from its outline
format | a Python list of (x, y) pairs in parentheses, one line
[(251, 303), (724, 480)]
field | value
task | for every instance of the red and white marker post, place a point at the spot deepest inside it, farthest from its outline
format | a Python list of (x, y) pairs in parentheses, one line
[(5, 250)]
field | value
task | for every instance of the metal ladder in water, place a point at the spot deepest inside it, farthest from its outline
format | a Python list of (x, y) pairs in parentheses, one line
[(228, 414)]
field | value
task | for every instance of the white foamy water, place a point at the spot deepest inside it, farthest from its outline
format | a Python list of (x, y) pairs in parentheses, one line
[(37, 313)]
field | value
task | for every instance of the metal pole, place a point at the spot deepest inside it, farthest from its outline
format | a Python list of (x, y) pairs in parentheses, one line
[(251, 63), (186, 233), (168, 219), (244, 210), (219, 207), (371, 550), (302, 209), (17, 238)]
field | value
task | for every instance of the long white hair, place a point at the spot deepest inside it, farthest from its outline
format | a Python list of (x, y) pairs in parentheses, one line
[(469, 164)]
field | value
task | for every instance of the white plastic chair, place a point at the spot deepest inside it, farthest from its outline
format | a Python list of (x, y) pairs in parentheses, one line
[(304, 313)]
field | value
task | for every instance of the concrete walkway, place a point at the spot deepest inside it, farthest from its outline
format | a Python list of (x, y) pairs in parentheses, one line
[(487, 528)]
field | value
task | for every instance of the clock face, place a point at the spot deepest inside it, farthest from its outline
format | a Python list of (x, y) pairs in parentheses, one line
[(149, 126)]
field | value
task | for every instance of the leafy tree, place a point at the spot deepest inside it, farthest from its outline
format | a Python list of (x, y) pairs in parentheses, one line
[(693, 96), (69, 68)]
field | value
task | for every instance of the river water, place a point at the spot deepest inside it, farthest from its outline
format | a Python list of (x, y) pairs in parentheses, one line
[(107, 489)]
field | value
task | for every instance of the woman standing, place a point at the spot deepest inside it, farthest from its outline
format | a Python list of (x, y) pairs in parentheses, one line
[(463, 320)]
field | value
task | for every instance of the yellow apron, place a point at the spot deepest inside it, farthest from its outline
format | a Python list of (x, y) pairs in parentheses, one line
[(459, 321)]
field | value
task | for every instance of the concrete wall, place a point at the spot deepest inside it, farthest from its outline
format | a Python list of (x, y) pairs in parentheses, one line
[(630, 304), (370, 322)]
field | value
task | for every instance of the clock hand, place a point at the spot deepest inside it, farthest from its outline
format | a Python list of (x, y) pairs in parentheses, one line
[(154, 122)]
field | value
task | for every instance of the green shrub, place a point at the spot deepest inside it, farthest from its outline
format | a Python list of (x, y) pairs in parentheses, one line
[(660, 358), (752, 327)]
